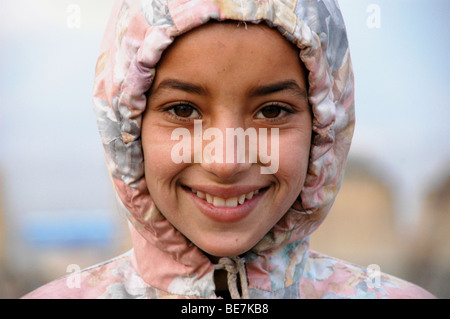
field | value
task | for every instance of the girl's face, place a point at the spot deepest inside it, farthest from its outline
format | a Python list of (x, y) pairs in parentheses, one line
[(229, 77)]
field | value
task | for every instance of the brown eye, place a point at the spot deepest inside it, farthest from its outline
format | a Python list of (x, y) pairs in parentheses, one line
[(271, 111), (183, 110)]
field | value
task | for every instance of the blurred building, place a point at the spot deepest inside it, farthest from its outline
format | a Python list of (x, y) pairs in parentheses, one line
[(430, 258), (361, 227), (11, 283)]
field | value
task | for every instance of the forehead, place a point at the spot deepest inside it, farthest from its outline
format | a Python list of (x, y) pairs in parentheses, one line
[(220, 34), (231, 49)]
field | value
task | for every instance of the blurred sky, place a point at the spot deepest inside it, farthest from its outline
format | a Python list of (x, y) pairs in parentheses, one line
[(50, 152)]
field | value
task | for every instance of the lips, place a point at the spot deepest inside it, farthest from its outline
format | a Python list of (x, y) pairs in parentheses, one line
[(226, 204)]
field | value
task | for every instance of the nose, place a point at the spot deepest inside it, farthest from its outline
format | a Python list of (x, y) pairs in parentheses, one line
[(225, 170), (226, 149)]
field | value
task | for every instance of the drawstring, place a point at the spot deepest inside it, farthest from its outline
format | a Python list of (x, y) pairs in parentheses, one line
[(229, 264)]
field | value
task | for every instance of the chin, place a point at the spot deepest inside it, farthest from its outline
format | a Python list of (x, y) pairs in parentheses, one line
[(221, 248)]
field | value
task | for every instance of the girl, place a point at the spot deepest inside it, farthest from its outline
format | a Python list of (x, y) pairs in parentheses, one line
[(226, 126)]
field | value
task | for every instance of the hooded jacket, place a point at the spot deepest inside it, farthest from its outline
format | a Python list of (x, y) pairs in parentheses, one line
[(165, 264)]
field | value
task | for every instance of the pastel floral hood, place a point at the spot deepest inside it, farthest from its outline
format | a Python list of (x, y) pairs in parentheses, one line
[(163, 263), (137, 35)]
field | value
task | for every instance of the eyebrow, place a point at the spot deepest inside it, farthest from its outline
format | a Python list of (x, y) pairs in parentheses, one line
[(288, 85), (182, 86)]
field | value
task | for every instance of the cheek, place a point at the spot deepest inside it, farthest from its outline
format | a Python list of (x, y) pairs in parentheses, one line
[(159, 167), (155, 151), (294, 157)]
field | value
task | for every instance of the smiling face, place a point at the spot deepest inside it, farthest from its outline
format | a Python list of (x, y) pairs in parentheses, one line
[(227, 77)]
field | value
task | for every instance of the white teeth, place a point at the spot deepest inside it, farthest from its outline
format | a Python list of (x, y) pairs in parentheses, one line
[(231, 202), (218, 201), (222, 202), (201, 195)]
